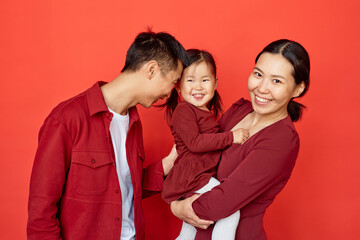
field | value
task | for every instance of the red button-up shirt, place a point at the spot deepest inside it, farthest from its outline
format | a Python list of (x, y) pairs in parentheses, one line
[(74, 187)]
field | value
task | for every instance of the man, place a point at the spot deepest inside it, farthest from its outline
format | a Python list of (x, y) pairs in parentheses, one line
[(87, 180)]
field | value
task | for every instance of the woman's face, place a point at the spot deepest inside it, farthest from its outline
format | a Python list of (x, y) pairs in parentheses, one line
[(272, 85)]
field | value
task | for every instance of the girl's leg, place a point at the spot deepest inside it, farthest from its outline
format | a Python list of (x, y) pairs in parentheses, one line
[(225, 229), (213, 182), (187, 232)]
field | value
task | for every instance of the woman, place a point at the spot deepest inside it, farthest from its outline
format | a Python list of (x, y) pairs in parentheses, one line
[(253, 173)]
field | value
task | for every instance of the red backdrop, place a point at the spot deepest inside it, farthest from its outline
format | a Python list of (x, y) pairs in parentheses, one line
[(52, 50)]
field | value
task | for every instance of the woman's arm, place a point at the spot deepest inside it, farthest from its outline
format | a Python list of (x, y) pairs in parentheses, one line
[(268, 164)]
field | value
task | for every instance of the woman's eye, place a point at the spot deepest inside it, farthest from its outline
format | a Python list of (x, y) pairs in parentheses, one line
[(257, 74), (276, 81)]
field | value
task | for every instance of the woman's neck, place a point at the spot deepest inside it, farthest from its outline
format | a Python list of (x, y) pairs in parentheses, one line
[(255, 122), (260, 121)]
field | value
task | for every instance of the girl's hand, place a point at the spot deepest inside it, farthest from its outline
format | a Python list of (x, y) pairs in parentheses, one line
[(183, 210), (240, 135), (168, 161)]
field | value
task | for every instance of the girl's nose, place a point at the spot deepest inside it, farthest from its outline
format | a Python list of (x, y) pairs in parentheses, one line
[(198, 85)]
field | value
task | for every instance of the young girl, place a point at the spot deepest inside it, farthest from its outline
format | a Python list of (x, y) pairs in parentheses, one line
[(198, 139)]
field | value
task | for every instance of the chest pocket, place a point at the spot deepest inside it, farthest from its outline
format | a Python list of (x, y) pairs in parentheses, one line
[(89, 171)]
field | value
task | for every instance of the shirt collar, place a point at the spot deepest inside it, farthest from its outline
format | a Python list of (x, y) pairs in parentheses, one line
[(95, 99)]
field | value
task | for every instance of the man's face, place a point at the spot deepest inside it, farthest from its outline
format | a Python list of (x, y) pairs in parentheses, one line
[(162, 84)]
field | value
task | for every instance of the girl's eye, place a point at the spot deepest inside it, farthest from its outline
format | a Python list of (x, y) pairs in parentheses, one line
[(190, 80), (276, 81), (206, 80)]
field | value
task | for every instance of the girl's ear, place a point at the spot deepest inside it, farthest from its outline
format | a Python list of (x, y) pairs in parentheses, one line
[(216, 81)]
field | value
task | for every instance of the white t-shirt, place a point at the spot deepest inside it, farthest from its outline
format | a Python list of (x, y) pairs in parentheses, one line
[(119, 127)]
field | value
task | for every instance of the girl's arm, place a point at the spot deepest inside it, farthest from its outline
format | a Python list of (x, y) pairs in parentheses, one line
[(184, 123)]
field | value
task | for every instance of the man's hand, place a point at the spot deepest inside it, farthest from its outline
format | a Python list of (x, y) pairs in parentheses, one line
[(168, 161)]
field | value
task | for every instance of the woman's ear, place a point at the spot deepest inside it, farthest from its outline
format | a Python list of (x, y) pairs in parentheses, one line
[(299, 89)]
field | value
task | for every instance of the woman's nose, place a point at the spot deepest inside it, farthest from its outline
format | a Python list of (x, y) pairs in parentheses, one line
[(263, 86)]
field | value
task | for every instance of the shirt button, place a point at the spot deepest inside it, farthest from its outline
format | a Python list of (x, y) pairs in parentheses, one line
[(116, 191), (93, 160), (117, 219), (106, 136)]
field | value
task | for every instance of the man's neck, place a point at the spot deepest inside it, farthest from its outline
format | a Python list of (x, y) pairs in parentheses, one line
[(120, 94)]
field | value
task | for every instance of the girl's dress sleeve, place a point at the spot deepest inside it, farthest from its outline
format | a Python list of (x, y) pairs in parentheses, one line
[(184, 123)]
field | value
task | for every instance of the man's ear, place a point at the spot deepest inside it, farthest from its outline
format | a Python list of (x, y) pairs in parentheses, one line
[(299, 89), (151, 67)]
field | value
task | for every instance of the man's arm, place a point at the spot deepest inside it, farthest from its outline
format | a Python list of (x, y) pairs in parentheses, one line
[(47, 180)]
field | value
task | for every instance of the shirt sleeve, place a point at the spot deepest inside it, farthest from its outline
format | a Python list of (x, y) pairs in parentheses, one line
[(185, 124), (269, 162), (47, 180), (153, 179)]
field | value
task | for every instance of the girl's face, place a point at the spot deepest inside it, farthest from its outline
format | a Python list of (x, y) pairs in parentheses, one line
[(272, 85), (198, 84)]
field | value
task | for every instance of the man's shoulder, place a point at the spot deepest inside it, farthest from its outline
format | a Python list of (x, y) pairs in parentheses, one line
[(71, 108)]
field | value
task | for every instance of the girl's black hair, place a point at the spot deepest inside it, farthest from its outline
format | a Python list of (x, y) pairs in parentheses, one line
[(296, 54), (215, 104)]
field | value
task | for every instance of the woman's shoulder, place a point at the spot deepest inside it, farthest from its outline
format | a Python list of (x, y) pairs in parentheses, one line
[(235, 112), (285, 126), (282, 133), (241, 104)]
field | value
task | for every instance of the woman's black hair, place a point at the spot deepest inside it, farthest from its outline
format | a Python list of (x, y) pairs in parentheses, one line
[(296, 54), (215, 104)]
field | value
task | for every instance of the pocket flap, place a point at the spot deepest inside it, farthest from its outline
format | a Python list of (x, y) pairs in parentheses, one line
[(93, 159)]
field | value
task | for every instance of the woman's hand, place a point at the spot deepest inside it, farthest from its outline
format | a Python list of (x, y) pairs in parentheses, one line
[(168, 161), (183, 210)]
